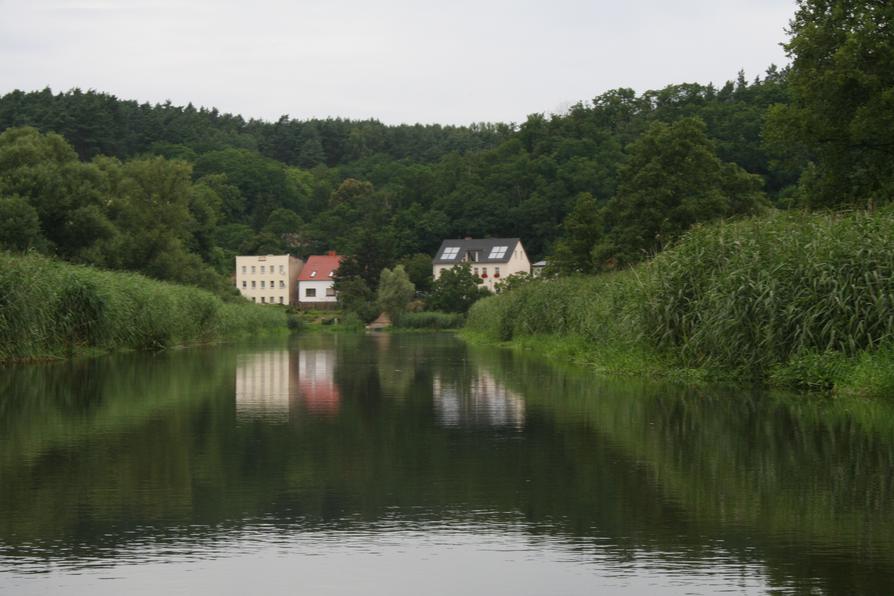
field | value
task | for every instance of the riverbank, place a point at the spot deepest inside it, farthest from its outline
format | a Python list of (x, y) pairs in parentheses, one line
[(794, 300), (52, 309)]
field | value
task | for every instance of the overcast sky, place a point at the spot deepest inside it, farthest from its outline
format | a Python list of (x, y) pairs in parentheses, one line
[(451, 61)]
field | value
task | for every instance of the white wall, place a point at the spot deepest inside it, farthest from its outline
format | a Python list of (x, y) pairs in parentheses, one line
[(320, 287)]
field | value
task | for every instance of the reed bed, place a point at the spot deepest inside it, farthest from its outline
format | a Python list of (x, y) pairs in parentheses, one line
[(759, 293), (796, 299), (49, 308)]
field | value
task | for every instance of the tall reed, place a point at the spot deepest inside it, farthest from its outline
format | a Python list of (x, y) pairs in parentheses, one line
[(756, 293), (51, 308), (812, 292)]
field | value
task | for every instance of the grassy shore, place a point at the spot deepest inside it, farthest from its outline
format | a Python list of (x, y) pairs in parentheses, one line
[(52, 309), (796, 300)]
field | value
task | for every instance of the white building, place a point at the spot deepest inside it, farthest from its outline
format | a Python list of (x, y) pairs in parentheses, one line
[(316, 286), (270, 279), (490, 259)]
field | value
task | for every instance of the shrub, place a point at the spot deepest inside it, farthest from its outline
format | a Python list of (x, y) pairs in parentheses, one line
[(431, 320)]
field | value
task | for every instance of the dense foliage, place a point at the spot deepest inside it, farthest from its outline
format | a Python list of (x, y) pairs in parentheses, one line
[(267, 187)]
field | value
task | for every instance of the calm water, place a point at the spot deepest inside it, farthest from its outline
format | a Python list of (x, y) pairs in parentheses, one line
[(418, 465)]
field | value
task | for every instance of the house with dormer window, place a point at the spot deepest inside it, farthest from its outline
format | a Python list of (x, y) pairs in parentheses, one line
[(316, 284), (490, 259)]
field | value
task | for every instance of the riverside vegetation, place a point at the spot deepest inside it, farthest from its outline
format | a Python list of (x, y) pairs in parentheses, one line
[(49, 308), (790, 299)]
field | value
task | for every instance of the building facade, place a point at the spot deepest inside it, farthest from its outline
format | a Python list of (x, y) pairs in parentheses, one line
[(268, 279), (316, 286), (489, 259)]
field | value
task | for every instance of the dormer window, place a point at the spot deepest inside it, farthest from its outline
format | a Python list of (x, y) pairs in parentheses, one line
[(498, 252), (313, 273), (450, 253)]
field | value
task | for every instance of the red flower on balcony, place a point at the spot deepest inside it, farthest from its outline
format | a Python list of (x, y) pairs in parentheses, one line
[(483, 275)]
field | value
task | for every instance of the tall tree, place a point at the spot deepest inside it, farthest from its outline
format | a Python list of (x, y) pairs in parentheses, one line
[(672, 180), (842, 110)]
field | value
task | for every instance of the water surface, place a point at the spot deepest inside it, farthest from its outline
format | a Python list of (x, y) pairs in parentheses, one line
[(415, 464)]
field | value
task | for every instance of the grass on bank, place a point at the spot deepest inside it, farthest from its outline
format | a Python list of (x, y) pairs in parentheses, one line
[(50, 308), (793, 299)]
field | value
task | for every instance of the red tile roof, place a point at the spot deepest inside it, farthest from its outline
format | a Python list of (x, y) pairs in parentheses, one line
[(320, 267)]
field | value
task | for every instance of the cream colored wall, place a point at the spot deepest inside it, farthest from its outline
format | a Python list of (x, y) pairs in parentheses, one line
[(283, 276), (518, 263)]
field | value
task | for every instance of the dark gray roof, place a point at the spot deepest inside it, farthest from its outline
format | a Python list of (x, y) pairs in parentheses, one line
[(482, 245)]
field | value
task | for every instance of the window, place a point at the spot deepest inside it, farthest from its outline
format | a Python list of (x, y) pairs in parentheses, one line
[(282, 284), (253, 299), (252, 268), (272, 300), (244, 269), (450, 253), (484, 271), (262, 269), (330, 291), (310, 292), (475, 270), (280, 299), (473, 255), (253, 282), (263, 300), (498, 252), (496, 272), (262, 284), (282, 270), (313, 273), (244, 284)]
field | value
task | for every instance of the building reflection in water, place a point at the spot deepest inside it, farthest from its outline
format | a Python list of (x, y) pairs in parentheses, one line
[(478, 401), (263, 386), (276, 386), (316, 381)]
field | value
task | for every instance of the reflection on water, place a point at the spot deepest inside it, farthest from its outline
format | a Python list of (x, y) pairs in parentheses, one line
[(480, 401), (317, 389), (263, 385), (415, 464), (278, 385)]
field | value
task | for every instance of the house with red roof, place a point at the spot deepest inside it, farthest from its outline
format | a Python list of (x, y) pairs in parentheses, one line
[(316, 286)]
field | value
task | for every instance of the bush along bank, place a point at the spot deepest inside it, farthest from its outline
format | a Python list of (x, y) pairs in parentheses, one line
[(51, 309), (793, 299)]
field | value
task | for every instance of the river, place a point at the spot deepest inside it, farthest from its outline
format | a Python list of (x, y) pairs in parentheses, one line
[(416, 464)]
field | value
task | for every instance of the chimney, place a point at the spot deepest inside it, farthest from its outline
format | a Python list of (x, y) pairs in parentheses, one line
[(331, 253), (467, 238)]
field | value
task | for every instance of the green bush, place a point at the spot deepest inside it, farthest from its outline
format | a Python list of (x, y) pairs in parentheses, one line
[(430, 320)]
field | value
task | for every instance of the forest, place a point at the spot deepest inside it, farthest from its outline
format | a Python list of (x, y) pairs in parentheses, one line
[(174, 192)]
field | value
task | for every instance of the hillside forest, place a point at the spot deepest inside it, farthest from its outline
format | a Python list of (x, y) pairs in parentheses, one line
[(175, 192)]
